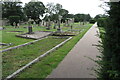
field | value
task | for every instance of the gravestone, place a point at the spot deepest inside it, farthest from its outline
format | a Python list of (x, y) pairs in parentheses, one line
[(30, 30), (40, 23), (58, 29), (48, 24), (30, 27), (34, 24), (71, 27), (67, 23), (14, 24), (54, 25), (18, 25)]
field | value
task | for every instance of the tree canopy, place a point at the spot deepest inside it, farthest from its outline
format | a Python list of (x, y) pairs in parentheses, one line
[(34, 10), (82, 17), (12, 9)]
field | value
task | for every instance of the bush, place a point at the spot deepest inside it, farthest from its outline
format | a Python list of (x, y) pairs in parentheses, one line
[(13, 19), (92, 21), (110, 58), (101, 22)]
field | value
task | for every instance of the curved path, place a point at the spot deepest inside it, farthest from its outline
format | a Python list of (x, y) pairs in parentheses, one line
[(77, 64)]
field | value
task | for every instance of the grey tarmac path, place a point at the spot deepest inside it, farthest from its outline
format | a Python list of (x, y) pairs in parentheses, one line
[(77, 63)]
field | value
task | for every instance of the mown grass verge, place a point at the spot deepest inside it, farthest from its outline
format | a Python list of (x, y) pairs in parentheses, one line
[(44, 67), (16, 58)]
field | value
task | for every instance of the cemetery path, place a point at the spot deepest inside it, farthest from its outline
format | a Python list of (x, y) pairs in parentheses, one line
[(77, 64)]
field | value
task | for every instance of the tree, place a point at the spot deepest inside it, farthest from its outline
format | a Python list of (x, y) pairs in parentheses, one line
[(87, 17), (58, 7), (97, 17), (92, 21), (14, 19), (63, 12), (82, 17), (55, 10), (101, 22), (79, 17), (53, 16), (34, 10), (50, 7), (12, 9), (100, 16)]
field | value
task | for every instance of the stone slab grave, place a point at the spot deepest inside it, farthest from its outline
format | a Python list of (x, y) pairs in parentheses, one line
[(4, 45), (62, 33), (35, 35)]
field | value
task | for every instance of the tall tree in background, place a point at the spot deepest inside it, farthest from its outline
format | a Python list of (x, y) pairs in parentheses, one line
[(97, 17), (63, 13), (34, 10), (58, 7), (50, 8), (12, 10), (55, 10), (82, 17)]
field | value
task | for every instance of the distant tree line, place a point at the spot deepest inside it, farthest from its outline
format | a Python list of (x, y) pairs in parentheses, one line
[(15, 12)]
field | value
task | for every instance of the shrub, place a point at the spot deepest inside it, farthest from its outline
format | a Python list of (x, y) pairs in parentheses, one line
[(13, 19), (101, 22), (92, 21)]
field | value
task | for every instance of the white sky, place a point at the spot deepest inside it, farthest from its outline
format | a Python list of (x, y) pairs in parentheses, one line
[(78, 6)]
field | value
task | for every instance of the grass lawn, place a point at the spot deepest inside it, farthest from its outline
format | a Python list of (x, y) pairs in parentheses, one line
[(9, 37), (6, 36), (44, 67), (16, 58)]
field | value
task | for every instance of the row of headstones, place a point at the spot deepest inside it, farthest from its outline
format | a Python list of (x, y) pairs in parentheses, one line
[(49, 23), (67, 23), (56, 24)]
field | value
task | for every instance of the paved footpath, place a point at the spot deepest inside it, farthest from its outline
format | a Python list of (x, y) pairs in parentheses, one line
[(77, 64)]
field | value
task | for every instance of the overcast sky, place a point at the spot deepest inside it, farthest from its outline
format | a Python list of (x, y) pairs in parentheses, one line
[(78, 6)]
